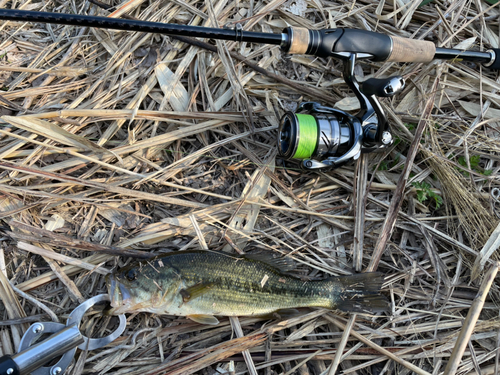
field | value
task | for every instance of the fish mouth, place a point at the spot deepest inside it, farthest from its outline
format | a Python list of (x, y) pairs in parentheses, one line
[(120, 297)]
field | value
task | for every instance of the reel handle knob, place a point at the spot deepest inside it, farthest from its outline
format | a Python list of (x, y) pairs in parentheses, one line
[(382, 87)]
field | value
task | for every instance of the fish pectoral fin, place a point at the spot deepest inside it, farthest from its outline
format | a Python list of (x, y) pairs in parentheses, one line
[(204, 319), (195, 291)]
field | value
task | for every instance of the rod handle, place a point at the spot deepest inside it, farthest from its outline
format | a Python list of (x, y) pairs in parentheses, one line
[(379, 46), (411, 50)]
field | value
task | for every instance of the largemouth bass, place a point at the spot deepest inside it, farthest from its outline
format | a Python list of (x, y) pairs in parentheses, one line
[(202, 284)]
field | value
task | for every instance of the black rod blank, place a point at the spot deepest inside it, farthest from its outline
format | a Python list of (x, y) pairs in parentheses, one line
[(451, 54), (141, 26)]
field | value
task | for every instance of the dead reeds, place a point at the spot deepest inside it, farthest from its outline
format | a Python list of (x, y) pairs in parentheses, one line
[(117, 145)]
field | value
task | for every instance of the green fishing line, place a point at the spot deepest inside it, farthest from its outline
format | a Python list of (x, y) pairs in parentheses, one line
[(308, 136)]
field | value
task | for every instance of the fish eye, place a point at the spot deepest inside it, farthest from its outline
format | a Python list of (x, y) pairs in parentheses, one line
[(131, 275)]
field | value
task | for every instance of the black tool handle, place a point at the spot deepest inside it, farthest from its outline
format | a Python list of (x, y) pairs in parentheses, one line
[(8, 366)]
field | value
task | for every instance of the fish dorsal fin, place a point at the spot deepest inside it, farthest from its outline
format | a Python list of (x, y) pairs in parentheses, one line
[(283, 264), (204, 319), (195, 291)]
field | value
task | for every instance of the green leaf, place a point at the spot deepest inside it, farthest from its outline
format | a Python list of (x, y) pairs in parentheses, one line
[(421, 196), (410, 126), (422, 185), (474, 161), (438, 200), (425, 2), (383, 166), (424, 192)]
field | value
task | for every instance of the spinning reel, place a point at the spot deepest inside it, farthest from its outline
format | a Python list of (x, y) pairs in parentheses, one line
[(324, 137)]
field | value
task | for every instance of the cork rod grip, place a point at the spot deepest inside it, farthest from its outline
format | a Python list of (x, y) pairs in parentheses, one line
[(410, 50), (299, 40)]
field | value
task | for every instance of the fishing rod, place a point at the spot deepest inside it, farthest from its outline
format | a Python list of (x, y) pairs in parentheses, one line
[(317, 136)]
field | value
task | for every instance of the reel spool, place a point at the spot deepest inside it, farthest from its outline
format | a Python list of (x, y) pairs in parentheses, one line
[(324, 137), (320, 133)]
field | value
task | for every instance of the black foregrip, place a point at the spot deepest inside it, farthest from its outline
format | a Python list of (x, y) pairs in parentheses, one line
[(321, 43), (324, 43), (8, 366), (361, 41), (496, 62)]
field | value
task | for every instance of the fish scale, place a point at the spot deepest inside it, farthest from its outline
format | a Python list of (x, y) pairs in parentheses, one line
[(194, 283)]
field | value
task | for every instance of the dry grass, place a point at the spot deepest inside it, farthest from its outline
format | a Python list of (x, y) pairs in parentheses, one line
[(118, 144)]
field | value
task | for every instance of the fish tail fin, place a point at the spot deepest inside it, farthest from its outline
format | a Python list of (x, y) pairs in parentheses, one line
[(361, 293)]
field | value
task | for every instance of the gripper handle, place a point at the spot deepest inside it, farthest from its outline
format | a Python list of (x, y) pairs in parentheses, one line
[(8, 366)]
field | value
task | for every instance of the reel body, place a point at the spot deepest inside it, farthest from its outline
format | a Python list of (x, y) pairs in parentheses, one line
[(325, 137)]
